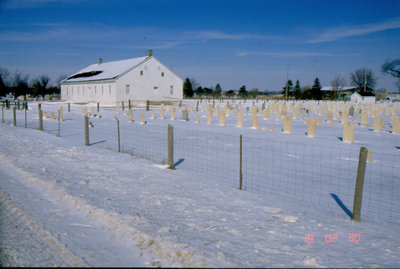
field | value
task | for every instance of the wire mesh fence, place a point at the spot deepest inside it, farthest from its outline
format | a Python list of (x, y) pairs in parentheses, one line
[(315, 175)]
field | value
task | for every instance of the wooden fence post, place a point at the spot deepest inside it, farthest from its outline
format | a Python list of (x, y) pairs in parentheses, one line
[(40, 120), (240, 163), (147, 105), (14, 116), (59, 119), (69, 107), (359, 184), (170, 147), (2, 113), (119, 140), (86, 130), (25, 114)]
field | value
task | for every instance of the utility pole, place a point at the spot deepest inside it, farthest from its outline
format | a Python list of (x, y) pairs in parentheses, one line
[(287, 79), (365, 81)]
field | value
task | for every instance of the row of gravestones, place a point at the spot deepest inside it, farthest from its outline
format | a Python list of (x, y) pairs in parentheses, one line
[(280, 110)]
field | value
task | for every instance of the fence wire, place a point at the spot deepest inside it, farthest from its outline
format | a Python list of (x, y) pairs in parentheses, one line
[(311, 174)]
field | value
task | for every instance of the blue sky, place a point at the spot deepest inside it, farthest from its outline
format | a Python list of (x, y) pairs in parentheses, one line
[(233, 43)]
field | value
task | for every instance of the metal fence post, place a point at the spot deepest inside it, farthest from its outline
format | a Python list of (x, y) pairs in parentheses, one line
[(170, 147), (14, 116), (40, 113), (240, 163), (359, 184), (86, 130)]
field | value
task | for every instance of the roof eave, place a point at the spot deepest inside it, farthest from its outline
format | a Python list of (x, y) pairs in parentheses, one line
[(87, 81)]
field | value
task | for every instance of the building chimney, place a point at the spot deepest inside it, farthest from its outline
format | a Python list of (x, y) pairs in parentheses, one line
[(100, 61), (150, 53)]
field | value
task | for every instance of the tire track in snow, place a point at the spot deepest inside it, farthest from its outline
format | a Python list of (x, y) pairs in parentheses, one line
[(25, 243), (158, 252)]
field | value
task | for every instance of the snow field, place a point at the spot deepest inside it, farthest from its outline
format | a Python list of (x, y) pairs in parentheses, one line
[(116, 224), (192, 216)]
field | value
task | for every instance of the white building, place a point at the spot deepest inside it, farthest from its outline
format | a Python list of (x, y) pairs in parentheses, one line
[(365, 98), (137, 79)]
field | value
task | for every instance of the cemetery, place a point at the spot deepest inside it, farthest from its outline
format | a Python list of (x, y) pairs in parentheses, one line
[(305, 155)]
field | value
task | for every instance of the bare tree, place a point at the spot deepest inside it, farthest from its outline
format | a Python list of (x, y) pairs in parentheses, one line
[(19, 84), (363, 79), (61, 78), (338, 83), (392, 68), (254, 92), (39, 85), (4, 75)]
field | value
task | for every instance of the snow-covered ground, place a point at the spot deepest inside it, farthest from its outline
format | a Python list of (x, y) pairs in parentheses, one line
[(63, 203)]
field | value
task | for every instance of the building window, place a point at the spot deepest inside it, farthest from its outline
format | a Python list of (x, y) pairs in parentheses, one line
[(128, 89), (102, 90), (95, 90), (109, 89), (162, 74), (72, 90), (78, 90), (67, 90), (171, 90), (141, 72)]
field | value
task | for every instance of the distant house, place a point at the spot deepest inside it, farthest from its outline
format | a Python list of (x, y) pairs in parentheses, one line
[(361, 97), (137, 79), (341, 93)]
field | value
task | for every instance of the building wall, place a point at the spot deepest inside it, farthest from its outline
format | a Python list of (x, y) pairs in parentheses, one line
[(368, 100), (356, 98), (149, 81), (104, 92)]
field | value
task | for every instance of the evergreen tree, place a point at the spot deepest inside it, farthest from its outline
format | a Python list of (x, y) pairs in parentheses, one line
[(297, 90), (218, 90), (242, 91), (207, 90), (187, 88), (199, 91), (230, 93), (316, 92), (289, 85)]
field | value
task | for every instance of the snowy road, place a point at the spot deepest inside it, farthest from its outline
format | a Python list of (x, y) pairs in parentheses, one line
[(23, 242), (44, 238)]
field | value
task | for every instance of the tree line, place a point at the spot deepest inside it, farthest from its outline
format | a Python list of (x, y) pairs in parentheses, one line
[(363, 80), (18, 84)]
